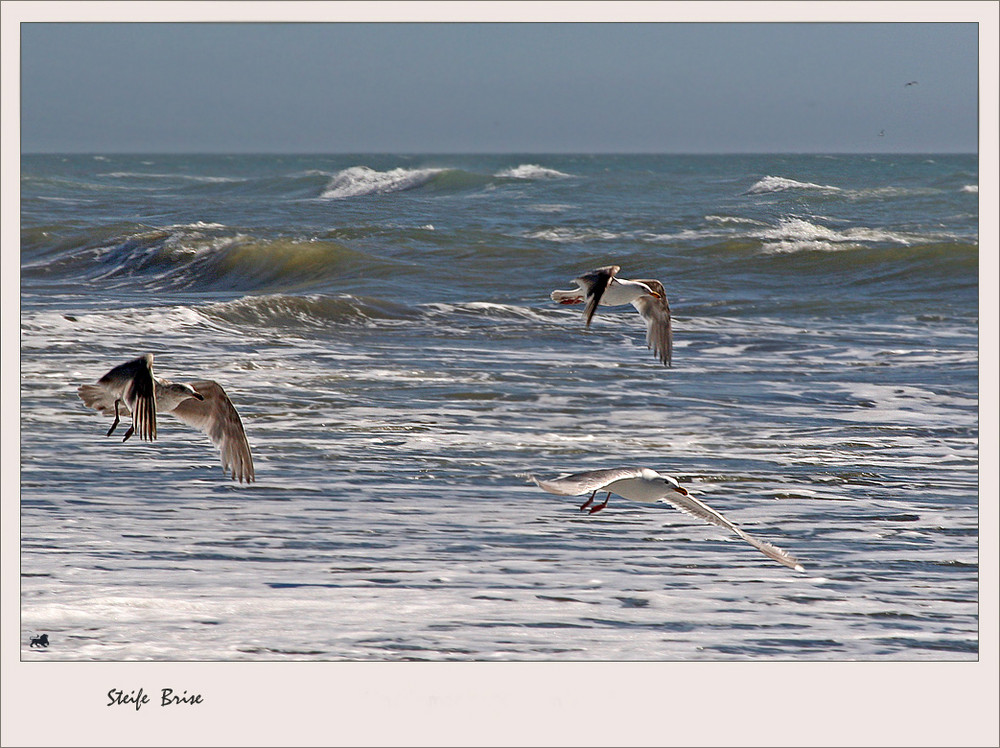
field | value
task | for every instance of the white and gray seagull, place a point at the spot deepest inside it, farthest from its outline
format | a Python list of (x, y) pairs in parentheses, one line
[(648, 486), (203, 404), (602, 287)]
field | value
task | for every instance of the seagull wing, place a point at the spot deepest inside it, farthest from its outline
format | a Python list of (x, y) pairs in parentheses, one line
[(581, 483), (595, 283), (216, 417), (659, 331), (132, 383), (702, 511)]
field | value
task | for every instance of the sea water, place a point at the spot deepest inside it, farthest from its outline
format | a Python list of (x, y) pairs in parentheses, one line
[(383, 325)]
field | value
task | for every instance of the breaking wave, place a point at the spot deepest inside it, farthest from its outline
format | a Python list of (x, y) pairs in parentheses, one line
[(532, 171), (780, 184), (206, 256), (363, 180), (796, 234), (359, 181)]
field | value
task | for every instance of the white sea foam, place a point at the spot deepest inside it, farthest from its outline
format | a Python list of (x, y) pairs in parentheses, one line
[(363, 180), (685, 235), (971, 188), (780, 184), (197, 225), (734, 219), (796, 234), (489, 309), (567, 235), (150, 175), (47, 328), (549, 208), (531, 171)]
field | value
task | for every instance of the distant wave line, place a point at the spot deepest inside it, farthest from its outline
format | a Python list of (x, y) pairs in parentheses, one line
[(190, 177), (359, 181)]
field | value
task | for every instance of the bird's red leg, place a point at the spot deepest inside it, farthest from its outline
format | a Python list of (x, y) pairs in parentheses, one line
[(599, 507), (588, 501), (572, 300)]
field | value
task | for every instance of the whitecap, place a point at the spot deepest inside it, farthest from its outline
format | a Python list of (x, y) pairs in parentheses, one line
[(734, 219), (357, 181), (153, 175), (549, 208), (796, 234), (488, 309), (685, 235), (531, 171), (780, 184), (567, 235), (971, 188), (196, 225)]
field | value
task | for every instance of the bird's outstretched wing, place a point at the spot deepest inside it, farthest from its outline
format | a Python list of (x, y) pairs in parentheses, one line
[(217, 417), (581, 483), (656, 313), (703, 511)]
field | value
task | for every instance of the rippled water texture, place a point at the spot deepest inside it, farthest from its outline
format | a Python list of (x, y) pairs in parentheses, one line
[(383, 325)]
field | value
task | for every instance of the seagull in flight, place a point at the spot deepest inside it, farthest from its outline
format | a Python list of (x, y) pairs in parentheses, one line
[(648, 486), (603, 287), (911, 83), (203, 404)]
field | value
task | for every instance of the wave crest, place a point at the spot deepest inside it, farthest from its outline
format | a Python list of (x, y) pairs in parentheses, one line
[(531, 171), (283, 310), (208, 256), (796, 234), (357, 181), (780, 184), (568, 235)]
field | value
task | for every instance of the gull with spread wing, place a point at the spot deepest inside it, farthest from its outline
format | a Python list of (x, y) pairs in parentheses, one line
[(203, 404), (603, 287), (648, 486)]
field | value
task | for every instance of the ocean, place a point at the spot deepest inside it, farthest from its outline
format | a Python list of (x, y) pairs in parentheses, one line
[(383, 325)]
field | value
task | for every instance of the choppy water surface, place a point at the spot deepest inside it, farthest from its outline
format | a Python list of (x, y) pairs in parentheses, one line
[(384, 327)]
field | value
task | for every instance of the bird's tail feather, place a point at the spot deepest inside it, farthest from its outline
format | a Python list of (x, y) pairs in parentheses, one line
[(96, 397), (567, 297)]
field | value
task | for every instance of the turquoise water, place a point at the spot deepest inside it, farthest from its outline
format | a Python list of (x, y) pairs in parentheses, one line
[(383, 324)]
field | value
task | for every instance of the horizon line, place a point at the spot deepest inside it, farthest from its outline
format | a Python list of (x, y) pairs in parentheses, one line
[(494, 153)]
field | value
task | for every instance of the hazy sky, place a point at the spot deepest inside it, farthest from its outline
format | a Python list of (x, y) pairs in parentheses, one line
[(494, 87)]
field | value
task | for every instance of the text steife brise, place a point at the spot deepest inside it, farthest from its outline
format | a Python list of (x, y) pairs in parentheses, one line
[(139, 698)]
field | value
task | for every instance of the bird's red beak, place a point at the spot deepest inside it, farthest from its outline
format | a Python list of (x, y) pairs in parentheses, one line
[(681, 490)]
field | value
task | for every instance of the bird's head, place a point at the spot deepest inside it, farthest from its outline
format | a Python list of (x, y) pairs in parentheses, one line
[(655, 288), (184, 391), (675, 485), (655, 477)]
